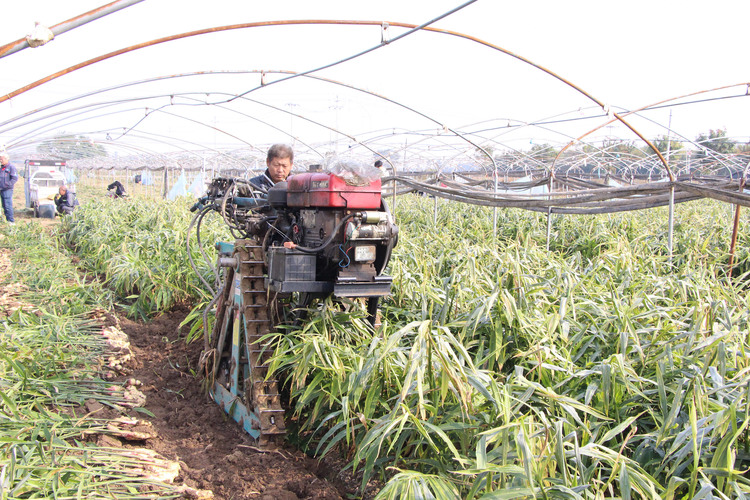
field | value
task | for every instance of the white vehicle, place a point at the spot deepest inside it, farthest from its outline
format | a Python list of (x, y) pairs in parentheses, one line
[(42, 180)]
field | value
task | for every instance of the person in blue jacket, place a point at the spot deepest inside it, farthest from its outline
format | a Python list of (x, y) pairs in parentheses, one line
[(8, 178)]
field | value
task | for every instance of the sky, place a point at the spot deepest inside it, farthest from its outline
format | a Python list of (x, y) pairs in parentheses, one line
[(436, 93)]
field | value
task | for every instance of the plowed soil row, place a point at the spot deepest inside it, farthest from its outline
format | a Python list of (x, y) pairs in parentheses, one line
[(213, 452)]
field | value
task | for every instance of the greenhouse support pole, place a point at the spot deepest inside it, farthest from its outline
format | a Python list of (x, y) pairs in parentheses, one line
[(70, 24), (549, 225), (671, 222), (735, 229), (166, 177), (494, 209), (671, 192), (434, 215), (549, 209)]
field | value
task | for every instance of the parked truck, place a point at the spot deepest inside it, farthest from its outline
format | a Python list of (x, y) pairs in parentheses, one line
[(41, 181)]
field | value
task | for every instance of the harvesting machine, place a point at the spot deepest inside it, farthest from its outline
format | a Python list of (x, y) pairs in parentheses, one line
[(318, 234)]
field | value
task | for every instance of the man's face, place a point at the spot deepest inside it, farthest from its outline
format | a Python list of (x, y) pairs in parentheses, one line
[(4, 160), (279, 168), (62, 190)]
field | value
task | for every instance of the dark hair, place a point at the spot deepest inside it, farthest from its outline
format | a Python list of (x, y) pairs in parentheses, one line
[(378, 163), (280, 151)]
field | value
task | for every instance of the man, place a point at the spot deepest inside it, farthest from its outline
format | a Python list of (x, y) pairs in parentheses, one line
[(119, 189), (379, 166), (8, 177), (65, 201), (278, 167)]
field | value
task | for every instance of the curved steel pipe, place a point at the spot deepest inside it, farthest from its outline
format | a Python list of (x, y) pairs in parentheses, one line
[(411, 27), (70, 24)]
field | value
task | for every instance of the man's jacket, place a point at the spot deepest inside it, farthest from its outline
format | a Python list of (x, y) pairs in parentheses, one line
[(263, 181), (66, 202), (8, 176)]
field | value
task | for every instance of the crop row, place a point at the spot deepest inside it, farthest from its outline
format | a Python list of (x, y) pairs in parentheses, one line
[(600, 367), (55, 362)]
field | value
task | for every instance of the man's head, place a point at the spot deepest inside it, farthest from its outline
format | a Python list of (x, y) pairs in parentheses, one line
[(279, 162), (4, 158), (62, 190)]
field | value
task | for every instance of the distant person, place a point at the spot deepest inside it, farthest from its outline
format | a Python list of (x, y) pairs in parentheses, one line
[(279, 162), (379, 166), (65, 201), (8, 178), (119, 189)]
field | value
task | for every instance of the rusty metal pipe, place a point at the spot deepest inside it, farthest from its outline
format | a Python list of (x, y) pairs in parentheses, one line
[(70, 24), (188, 34), (413, 27)]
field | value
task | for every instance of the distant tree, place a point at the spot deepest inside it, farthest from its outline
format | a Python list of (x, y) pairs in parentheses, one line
[(743, 151), (71, 147), (716, 140), (543, 152), (481, 156), (664, 145), (621, 149)]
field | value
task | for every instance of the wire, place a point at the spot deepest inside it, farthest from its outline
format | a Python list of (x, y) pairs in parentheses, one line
[(197, 218), (346, 255), (327, 240), (214, 269)]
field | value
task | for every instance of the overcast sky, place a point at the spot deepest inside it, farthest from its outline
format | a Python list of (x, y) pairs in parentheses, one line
[(624, 54)]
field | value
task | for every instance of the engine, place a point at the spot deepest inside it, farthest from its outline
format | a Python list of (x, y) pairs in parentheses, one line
[(329, 236)]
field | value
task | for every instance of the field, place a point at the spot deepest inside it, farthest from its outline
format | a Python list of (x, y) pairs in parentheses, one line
[(599, 367)]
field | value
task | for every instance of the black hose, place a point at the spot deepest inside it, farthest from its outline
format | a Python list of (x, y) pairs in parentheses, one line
[(327, 240), (214, 269), (197, 218), (214, 299)]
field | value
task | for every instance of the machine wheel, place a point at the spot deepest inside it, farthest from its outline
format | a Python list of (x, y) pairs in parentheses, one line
[(46, 211)]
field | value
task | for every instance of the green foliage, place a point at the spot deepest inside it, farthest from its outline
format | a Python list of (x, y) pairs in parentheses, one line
[(618, 148), (138, 247), (543, 152), (505, 369), (51, 354), (716, 140), (596, 368), (666, 145)]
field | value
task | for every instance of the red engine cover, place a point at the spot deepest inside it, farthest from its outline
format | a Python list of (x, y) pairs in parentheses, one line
[(320, 189)]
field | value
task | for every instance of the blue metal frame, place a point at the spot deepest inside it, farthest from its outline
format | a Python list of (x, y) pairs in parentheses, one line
[(229, 400)]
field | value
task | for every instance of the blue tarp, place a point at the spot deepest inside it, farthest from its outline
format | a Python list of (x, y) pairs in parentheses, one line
[(198, 187), (147, 179), (70, 177), (179, 188)]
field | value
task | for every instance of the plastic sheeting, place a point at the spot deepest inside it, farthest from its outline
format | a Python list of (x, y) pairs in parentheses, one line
[(353, 172), (147, 178), (198, 186), (70, 176), (179, 188)]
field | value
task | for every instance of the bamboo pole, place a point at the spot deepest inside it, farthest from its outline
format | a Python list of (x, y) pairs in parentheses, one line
[(549, 226), (735, 229), (671, 222)]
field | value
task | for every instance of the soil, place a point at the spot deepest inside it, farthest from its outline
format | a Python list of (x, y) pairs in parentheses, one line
[(213, 452)]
